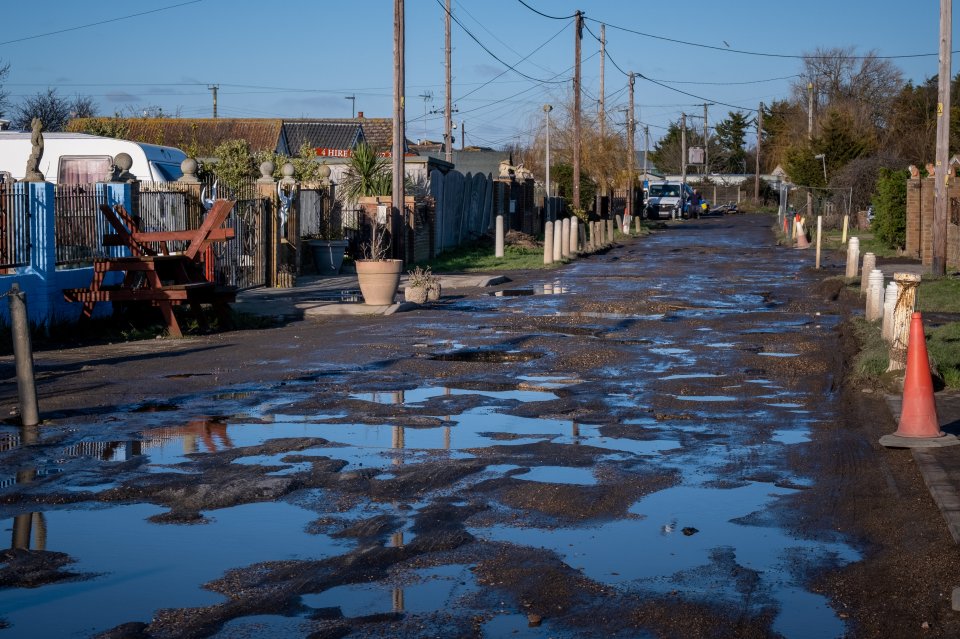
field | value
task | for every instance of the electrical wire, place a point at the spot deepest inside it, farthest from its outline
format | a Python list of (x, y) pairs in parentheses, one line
[(97, 24), (544, 14)]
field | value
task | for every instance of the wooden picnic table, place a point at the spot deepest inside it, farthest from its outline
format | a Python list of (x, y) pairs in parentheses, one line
[(155, 276)]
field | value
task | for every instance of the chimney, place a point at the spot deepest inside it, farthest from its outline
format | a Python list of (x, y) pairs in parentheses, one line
[(360, 114)]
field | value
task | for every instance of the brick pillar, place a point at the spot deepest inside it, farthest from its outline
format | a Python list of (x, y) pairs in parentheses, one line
[(926, 221), (912, 244)]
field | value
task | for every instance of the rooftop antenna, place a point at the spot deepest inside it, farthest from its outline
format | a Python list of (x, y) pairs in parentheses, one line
[(427, 97)]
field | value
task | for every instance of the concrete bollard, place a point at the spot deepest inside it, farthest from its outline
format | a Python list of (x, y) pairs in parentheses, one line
[(846, 225), (557, 241), (853, 257), (889, 301), (594, 236), (874, 308), (600, 239), (903, 308), (582, 230), (619, 226), (548, 243), (869, 263), (565, 237), (819, 233), (574, 235), (610, 236), (23, 357), (636, 224), (498, 249)]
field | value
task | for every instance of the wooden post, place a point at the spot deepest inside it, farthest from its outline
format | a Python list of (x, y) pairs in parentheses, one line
[(399, 123), (578, 35), (809, 138), (602, 105), (846, 225), (819, 231), (942, 176), (448, 108)]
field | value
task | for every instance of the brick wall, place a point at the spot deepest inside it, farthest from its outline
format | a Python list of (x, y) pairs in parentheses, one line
[(919, 232)]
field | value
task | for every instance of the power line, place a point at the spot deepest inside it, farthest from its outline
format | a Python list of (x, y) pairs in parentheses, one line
[(97, 24), (763, 53), (544, 14), (784, 77), (491, 53)]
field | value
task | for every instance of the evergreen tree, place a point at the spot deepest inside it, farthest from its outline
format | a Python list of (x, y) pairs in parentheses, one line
[(731, 135), (890, 207)]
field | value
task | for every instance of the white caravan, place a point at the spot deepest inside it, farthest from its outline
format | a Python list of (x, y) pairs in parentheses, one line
[(78, 158)]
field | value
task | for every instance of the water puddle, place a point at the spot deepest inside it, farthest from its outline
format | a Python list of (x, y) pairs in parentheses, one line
[(679, 531), (769, 354), (490, 356), (692, 376), (555, 288), (420, 395), (346, 296), (706, 398), (559, 475), (791, 436), (142, 567)]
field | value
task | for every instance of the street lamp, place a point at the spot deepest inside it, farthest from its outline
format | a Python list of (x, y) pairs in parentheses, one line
[(547, 109), (823, 158)]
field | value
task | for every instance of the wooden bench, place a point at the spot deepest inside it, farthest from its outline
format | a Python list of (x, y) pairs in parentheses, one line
[(160, 280)]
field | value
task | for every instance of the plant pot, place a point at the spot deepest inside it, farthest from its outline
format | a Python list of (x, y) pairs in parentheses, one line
[(328, 255), (433, 292), (416, 294), (379, 280)]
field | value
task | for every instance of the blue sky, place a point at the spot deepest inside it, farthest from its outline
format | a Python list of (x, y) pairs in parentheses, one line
[(301, 58)]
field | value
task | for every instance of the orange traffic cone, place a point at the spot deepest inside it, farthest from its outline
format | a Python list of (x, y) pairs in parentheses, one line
[(802, 241), (919, 426)]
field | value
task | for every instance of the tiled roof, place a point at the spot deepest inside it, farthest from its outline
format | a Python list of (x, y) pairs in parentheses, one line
[(197, 135), (377, 131), (322, 134)]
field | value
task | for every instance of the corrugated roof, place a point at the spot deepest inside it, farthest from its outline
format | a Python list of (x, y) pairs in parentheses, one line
[(322, 134), (199, 136)]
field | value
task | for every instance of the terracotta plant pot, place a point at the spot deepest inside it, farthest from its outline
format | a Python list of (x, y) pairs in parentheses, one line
[(379, 280), (328, 255)]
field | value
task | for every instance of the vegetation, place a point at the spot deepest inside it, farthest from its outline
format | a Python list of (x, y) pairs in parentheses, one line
[(367, 175), (235, 164), (479, 256), (890, 207), (53, 109), (562, 175)]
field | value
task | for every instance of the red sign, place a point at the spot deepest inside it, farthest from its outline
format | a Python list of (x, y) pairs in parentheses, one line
[(334, 153)]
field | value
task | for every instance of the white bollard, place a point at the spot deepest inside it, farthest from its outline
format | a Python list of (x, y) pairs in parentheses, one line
[(874, 309), (846, 225), (565, 237), (574, 235), (903, 308), (869, 263), (889, 301), (557, 241), (819, 233), (498, 249), (853, 257), (548, 243)]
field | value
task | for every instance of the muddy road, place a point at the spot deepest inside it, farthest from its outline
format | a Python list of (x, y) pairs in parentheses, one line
[(651, 442)]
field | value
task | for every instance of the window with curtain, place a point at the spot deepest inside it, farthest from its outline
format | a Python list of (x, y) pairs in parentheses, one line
[(85, 169)]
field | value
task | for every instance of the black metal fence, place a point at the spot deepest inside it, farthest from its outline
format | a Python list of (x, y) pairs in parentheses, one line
[(14, 227), (241, 262), (78, 234)]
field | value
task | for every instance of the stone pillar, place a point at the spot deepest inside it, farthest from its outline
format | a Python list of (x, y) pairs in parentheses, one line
[(610, 236), (574, 235), (853, 257), (889, 301), (869, 263), (557, 241), (619, 227), (267, 189), (874, 308), (565, 237), (907, 284), (548, 243), (498, 249)]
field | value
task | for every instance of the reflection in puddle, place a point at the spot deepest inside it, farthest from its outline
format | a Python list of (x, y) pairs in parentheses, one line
[(706, 398), (791, 436), (767, 354), (419, 395), (554, 288), (651, 552), (142, 567), (559, 475), (692, 376)]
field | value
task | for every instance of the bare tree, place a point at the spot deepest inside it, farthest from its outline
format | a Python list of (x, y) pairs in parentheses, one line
[(53, 109), (4, 95)]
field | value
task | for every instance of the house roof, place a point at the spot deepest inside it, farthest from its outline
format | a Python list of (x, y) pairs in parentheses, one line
[(199, 136), (322, 134)]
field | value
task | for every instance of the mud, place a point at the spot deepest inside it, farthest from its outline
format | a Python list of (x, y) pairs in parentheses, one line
[(666, 448)]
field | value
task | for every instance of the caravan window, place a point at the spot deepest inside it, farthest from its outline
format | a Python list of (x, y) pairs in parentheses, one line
[(164, 172), (84, 169)]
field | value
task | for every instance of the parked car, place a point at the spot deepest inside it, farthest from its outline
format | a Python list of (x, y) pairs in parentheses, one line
[(668, 200), (77, 158)]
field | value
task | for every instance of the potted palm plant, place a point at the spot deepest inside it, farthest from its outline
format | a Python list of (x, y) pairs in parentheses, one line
[(367, 180)]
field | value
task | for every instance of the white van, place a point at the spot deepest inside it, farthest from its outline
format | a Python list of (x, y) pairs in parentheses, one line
[(78, 158)]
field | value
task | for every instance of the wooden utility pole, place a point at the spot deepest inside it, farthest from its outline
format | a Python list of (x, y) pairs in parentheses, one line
[(706, 140), (577, 34), (448, 107), (683, 148), (214, 88), (756, 175), (632, 155), (399, 118), (809, 139), (646, 148), (942, 175), (603, 54)]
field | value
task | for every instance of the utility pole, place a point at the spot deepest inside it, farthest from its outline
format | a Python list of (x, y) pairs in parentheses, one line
[(646, 148), (683, 149), (213, 88), (399, 118), (603, 54), (942, 175), (463, 134), (706, 140), (353, 104), (448, 107), (809, 139), (631, 160), (756, 175), (577, 34)]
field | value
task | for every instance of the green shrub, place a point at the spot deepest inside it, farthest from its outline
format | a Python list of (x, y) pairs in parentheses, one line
[(890, 207)]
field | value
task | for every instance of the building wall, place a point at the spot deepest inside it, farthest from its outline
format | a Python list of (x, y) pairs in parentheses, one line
[(919, 228)]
